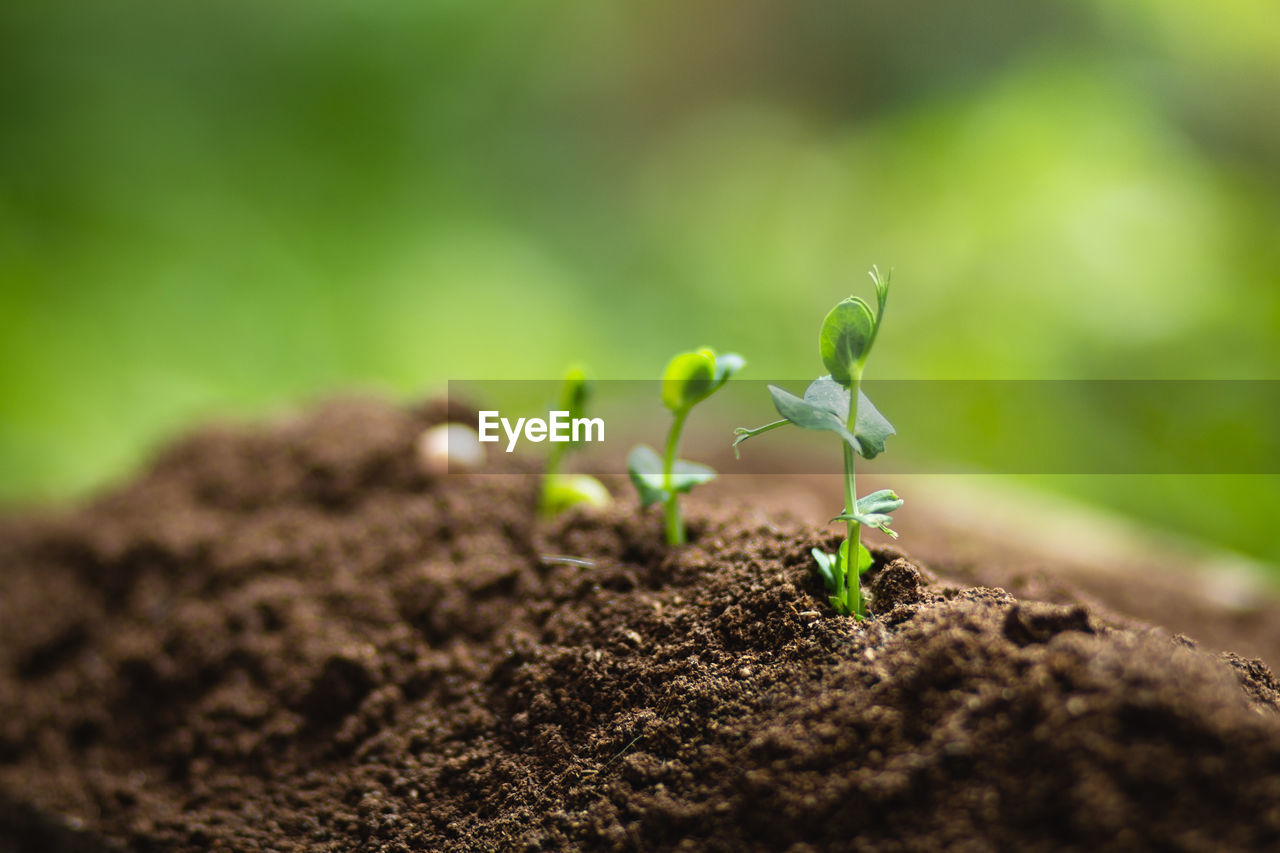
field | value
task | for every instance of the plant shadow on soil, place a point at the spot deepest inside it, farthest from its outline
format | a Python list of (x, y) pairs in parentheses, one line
[(293, 638)]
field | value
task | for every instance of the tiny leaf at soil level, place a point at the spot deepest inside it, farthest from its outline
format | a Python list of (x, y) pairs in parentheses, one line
[(835, 403), (826, 568)]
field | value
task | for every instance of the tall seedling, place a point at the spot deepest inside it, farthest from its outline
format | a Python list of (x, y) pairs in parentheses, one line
[(835, 403)]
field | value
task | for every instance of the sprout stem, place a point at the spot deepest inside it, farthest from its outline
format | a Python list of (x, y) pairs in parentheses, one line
[(853, 530), (671, 507)]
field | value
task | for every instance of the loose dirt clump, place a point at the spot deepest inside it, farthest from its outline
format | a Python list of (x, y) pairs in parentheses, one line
[(296, 639)]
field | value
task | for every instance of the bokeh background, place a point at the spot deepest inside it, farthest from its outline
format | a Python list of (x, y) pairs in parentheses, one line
[(224, 207)]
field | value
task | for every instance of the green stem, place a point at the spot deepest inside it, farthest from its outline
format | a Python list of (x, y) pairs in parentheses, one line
[(675, 522), (853, 530), (554, 460)]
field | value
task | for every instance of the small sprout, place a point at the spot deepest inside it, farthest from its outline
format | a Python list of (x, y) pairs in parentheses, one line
[(561, 491), (835, 404), (447, 448), (690, 378)]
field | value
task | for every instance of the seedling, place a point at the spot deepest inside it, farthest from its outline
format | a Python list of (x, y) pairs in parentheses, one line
[(561, 491), (835, 403), (690, 378)]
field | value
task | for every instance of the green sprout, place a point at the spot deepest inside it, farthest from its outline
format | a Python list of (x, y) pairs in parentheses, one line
[(835, 403), (690, 378), (561, 491)]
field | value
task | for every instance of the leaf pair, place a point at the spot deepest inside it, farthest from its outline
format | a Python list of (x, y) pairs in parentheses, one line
[(825, 407), (645, 467)]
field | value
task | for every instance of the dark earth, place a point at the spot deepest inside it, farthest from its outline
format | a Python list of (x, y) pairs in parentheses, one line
[(295, 638)]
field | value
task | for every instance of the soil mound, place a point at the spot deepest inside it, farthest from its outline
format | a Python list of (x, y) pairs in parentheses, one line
[(295, 639)]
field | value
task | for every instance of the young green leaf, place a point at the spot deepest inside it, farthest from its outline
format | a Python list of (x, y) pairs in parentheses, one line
[(826, 394), (841, 583), (871, 428), (685, 475), (689, 378), (846, 338), (645, 467), (808, 414), (874, 510), (826, 568), (825, 407), (882, 292), (865, 560), (883, 501), (727, 365)]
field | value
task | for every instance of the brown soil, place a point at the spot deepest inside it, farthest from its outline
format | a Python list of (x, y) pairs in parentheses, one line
[(294, 639)]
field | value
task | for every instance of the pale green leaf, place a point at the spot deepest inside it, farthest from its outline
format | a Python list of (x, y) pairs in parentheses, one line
[(689, 378), (846, 338), (645, 467)]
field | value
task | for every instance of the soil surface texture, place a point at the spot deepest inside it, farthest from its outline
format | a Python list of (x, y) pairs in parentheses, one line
[(295, 638)]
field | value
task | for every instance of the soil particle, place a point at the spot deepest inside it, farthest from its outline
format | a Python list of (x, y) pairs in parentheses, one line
[(297, 638)]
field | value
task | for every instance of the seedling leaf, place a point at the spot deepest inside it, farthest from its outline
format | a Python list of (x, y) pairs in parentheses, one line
[(846, 338), (689, 378), (826, 568), (685, 475), (883, 501), (874, 510), (825, 407), (645, 468), (872, 427), (865, 560), (810, 415), (727, 365)]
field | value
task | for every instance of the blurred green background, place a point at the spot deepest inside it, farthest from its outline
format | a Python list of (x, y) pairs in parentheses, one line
[(221, 208)]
